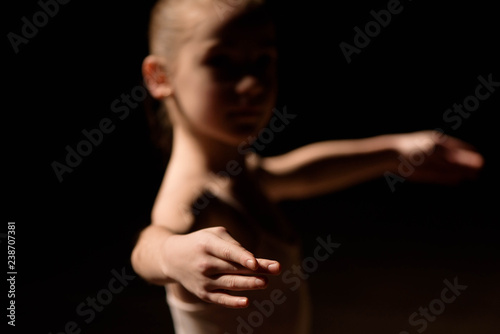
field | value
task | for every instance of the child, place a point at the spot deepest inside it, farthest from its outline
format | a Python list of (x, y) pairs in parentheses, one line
[(216, 240)]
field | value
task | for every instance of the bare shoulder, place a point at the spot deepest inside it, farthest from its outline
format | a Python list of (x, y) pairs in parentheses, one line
[(174, 202), (198, 204), (272, 173)]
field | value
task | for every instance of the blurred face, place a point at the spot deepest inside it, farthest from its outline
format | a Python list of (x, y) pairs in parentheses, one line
[(224, 78)]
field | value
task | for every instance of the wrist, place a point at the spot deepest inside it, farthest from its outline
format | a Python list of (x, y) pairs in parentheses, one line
[(391, 148), (166, 257)]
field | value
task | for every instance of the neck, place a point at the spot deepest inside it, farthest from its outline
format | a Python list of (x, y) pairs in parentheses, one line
[(196, 155)]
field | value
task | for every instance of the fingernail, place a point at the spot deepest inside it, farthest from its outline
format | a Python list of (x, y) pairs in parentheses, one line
[(260, 282), (273, 266), (242, 302), (250, 264)]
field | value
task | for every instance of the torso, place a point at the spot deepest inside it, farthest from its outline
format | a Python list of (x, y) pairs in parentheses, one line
[(260, 227)]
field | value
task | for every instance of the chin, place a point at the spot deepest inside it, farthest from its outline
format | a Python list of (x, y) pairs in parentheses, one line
[(241, 134), (243, 129)]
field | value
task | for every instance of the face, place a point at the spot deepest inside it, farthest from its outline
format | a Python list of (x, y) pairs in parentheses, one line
[(224, 78)]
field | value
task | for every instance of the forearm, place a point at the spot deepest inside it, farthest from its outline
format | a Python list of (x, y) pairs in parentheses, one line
[(329, 166), (344, 148), (148, 255), (340, 172)]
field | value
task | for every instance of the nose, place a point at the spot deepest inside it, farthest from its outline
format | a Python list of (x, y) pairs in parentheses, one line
[(249, 87)]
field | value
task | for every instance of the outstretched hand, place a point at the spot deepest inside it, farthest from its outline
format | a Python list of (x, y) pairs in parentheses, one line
[(209, 262), (434, 157)]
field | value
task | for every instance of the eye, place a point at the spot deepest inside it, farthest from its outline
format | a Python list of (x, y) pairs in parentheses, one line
[(218, 61), (265, 59)]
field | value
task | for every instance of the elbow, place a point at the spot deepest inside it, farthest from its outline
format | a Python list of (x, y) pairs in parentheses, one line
[(137, 254), (134, 258)]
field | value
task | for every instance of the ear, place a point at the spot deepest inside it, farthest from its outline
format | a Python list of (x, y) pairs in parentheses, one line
[(155, 76)]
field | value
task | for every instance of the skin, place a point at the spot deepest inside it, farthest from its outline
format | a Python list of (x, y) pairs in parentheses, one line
[(220, 90)]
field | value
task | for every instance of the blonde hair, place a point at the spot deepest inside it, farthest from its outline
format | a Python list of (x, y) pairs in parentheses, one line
[(171, 20)]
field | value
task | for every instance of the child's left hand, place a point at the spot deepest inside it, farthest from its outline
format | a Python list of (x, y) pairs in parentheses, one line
[(434, 157)]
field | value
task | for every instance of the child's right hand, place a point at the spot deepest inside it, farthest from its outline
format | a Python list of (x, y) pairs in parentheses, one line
[(208, 262)]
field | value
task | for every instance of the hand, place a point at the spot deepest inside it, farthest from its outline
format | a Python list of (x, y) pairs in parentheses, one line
[(434, 157), (209, 261)]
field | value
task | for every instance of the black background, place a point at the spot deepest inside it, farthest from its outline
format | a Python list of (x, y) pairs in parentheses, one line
[(397, 247)]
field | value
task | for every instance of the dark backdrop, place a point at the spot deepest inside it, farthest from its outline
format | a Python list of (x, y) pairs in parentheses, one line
[(396, 247)]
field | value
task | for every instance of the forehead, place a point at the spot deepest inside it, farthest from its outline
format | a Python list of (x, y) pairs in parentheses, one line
[(240, 30)]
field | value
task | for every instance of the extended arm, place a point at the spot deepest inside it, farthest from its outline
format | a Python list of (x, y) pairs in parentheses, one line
[(329, 166)]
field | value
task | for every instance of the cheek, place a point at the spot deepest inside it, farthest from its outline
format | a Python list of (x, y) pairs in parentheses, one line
[(204, 103), (208, 102), (197, 95)]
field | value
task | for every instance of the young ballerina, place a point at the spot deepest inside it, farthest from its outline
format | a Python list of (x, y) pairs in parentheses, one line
[(217, 241)]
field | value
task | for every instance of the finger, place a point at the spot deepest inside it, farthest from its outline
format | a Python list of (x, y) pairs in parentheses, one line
[(266, 266), (229, 251), (218, 266), (453, 142), (452, 158), (465, 158), (226, 300), (237, 283)]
